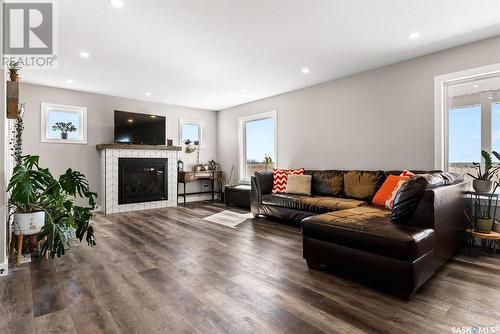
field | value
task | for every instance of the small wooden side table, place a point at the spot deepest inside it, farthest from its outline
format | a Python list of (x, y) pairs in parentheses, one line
[(490, 240)]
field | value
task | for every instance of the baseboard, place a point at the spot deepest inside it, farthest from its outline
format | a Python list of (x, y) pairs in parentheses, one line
[(4, 268)]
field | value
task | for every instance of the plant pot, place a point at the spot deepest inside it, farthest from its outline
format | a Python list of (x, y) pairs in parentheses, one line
[(483, 225), (29, 223), (64, 135), (482, 186), (197, 168), (14, 77)]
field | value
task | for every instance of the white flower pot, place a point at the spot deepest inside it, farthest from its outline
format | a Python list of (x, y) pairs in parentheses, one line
[(29, 223), (482, 186)]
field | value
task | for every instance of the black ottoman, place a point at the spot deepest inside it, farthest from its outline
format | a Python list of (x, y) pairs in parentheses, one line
[(237, 196)]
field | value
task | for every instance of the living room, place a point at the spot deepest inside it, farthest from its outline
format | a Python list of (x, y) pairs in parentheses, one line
[(221, 167)]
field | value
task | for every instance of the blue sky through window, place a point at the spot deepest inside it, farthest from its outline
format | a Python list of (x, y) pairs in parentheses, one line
[(66, 117), (260, 139), (495, 126), (190, 131), (464, 127)]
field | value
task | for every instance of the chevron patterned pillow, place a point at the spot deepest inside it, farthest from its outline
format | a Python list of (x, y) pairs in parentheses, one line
[(280, 178)]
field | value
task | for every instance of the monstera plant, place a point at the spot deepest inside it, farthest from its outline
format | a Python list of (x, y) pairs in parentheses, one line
[(34, 192)]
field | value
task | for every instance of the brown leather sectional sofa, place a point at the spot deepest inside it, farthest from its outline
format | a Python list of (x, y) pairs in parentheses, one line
[(397, 250)]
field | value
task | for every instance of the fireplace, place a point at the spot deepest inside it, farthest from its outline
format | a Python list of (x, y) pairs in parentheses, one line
[(142, 180)]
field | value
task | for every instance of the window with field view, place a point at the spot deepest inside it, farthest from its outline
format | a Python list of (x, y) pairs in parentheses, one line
[(258, 145)]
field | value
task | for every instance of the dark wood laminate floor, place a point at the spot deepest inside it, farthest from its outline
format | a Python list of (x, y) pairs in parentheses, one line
[(170, 271)]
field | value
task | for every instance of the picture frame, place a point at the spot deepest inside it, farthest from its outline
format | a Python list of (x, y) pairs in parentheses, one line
[(63, 124)]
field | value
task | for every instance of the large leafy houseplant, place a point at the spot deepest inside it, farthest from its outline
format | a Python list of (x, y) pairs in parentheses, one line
[(34, 189)]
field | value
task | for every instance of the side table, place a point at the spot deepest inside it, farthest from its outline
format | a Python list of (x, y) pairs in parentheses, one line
[(489, 240)]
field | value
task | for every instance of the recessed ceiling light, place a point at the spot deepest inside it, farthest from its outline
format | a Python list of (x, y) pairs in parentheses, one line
[(84, 54), (130, 120), (475, 86), (305, 70), (148, 94), (244, 90), (70, 81), (116, 3), (490, 97), (414, 35)]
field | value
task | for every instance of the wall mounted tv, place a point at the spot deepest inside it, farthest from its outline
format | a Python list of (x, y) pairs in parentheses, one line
[(134, 128)]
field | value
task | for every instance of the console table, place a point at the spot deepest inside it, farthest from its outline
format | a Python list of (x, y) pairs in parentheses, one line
[(188, 177)]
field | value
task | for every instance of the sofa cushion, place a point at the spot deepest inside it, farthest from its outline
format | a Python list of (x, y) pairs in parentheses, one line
[(327, 182), (298, 184), (370, 229), (317, 204), (362, 185)]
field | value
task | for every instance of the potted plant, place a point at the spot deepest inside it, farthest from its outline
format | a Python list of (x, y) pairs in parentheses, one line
[(483, 182), (483, 218), (38, 200), (65, 128), (14, 68)]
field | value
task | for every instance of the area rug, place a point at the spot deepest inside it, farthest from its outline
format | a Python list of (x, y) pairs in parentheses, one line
[(228, 218)]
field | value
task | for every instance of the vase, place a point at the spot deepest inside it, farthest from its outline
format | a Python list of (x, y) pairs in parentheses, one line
[(483, 225), (64, 135), (482, 186), (29, 223), (14, 77)]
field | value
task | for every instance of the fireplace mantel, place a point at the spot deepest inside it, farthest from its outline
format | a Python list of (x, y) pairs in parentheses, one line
[(115, 146)]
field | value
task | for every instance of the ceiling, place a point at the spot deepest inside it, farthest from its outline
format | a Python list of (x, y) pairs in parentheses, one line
[(217, 54)]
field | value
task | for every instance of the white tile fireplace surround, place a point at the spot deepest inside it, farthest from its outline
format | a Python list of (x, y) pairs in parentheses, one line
[(109, 154)]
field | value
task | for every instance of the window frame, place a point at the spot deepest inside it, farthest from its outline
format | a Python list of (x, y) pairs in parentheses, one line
[(46, 108), (201, 131), (242, 140), (441, 83)]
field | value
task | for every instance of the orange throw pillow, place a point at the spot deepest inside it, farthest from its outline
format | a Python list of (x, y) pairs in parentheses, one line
[(385, 192)]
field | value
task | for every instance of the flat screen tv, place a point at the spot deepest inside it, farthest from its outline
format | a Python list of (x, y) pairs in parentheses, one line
[(134, 128)]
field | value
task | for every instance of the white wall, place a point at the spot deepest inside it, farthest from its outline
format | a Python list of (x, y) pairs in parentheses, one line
[(85, 158), (379, 119)]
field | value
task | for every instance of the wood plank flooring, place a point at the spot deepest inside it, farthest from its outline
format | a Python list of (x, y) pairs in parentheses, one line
[(170, 271)]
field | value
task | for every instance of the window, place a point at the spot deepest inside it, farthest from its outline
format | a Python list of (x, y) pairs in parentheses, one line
[(191, 130), (257, 144), (464, 133), (63, 124)]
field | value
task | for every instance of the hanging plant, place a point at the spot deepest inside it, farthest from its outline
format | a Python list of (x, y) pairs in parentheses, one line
[(16, 143)]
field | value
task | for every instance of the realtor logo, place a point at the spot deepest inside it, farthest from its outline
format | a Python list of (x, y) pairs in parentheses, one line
[(29, 33)]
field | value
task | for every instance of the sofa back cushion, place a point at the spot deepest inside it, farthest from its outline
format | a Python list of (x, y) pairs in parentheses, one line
[(362, 185), (327, 182), (410, 194)]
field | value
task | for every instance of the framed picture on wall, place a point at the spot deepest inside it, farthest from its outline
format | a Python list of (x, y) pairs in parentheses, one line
[(63, 124)]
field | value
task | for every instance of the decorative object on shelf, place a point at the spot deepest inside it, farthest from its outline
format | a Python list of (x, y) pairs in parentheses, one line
[(180, 165), (212, 165), (64, 128), (14, 68), (170, 142), (483, 182), (63, 124), (12, 99), (34, 190), (483, 207)]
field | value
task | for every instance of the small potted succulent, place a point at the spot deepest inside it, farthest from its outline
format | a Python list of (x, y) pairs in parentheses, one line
[(482, 181), (65, 128), (14, 68)]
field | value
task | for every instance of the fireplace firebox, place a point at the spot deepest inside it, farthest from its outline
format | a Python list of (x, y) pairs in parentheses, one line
[(142, 180)]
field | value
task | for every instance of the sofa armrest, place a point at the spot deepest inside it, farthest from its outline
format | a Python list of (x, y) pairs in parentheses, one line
[(442, 209), (262, 183)]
